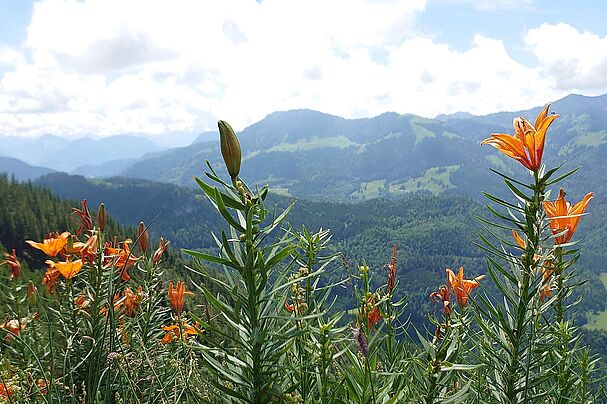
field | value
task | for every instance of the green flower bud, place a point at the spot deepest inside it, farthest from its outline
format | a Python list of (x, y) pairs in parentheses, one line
[(230, 148)]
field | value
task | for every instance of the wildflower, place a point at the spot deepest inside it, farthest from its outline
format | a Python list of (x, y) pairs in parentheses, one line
[(444, 297), (52, 245), (290, 308), (5, 390), (85, 216), (14, 327), (360, 340), (546, 290), (51, 276), (563, 217), (14, 266), (129, 301), (462, 287), (143, 237), (391, 271), (41, 384), (172, 332), (301, 306), (230, 148), (162, 246), (89, 250), (176, 296), (111, 357), (123, 258), (69, 269), (521, 243), (82, 301), (527, 144), (373, 313)]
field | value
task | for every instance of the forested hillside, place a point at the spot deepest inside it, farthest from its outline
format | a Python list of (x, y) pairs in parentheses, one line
[(432, 232)]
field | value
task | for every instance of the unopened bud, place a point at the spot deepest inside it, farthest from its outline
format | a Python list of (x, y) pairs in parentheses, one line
[(230, 148), (101, 217), (142, 236)]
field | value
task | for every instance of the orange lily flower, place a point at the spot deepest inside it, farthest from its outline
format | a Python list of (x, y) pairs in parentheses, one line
[(123, 258), (172, 332), (89, 250), (69, 269), (52, 245), (444, 297), (462, 287), (82, 301), (546, 291), (176, 296), (527, 144), (14, 327), (85, 216), (51, 276), (564, 217), (372, 311), (130, 301), (5, 390), (519, 240), (14, 266), (162, 246)]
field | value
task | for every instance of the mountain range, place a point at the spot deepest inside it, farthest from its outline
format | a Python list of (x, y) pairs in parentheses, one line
[(76, 155), (312, 155)]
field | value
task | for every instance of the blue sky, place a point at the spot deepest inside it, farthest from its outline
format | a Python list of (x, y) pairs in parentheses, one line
[(103, 67)]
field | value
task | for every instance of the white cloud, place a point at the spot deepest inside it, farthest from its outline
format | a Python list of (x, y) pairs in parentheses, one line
[(577, 61), (493, 5), (9, 56), (146, 66)]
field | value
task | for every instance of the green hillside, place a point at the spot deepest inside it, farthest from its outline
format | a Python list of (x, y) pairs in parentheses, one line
[(311, 155)]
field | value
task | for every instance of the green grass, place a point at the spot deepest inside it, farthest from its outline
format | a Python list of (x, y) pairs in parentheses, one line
[(306, 144), (435, 179), (598, 321), (369, 190), (420, 132)]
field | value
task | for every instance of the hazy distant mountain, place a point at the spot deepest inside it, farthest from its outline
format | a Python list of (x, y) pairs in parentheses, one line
[(20, 170), (309, 154), (63, 154), (108, 169), (212, 136)]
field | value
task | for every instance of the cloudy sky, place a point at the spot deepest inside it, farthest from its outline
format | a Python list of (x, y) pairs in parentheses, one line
[(105, 67)]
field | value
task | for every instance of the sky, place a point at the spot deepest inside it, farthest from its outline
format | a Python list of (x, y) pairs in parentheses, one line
[(108, 67)]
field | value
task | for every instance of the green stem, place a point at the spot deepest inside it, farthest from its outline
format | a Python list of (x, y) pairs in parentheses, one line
[(532, 210)]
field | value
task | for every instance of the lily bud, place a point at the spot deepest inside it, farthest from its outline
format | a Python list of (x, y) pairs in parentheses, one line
[(101, 217), (230, 148), (142, 236)]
